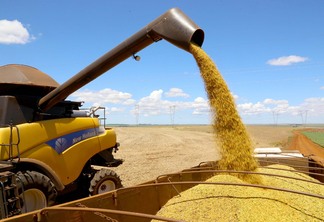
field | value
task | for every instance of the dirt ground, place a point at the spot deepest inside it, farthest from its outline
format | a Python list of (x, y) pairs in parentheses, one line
[(307, 147), (151, 151)]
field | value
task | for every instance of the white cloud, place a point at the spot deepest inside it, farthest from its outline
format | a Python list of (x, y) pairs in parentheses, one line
[(115, 109), (253, 109), (235, 96), (200, 100), (322, 88), (155, 95), (104, 96), (13, 32), (154, 104), (176, 92), (275, 102), (152, 100), (266, 106), (201, 106), (157, 104), (286, 60), (313, 107)]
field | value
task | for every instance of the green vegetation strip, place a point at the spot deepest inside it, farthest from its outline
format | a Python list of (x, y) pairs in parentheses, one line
[(316, 137)]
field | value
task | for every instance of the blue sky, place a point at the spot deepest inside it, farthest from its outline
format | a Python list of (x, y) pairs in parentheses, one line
[(270, 53)]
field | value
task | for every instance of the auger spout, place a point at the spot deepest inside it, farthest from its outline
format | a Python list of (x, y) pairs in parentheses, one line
[(173, 26)]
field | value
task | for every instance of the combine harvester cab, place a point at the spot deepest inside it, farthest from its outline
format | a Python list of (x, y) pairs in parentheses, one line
[(50, 148)]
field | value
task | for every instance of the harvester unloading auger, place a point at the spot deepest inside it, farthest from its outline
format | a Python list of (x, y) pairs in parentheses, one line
[(172, 26), (48, 145)]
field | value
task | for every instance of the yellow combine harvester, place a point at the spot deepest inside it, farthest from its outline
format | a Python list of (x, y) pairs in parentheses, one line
[(48, 144)]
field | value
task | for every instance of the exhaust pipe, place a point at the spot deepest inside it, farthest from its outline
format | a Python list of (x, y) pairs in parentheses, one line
[(173, 26)]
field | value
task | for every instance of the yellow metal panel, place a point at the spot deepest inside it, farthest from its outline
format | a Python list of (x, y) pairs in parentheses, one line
[(67, 165), (107, 139), (37, 139)]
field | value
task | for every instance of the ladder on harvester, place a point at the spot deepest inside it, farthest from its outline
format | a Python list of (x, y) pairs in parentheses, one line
[(10, 204), (9, 196)]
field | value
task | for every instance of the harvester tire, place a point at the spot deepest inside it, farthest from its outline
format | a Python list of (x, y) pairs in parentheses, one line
[(35, 190), (104, 181)]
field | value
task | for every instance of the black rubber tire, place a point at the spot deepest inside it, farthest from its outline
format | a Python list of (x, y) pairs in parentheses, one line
[(101, 179), (32, 181)]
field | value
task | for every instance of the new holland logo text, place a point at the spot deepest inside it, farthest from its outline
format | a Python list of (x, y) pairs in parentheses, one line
[(64, 142)]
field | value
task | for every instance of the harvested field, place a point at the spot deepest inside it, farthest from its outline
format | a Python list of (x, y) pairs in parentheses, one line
[(155, 150)]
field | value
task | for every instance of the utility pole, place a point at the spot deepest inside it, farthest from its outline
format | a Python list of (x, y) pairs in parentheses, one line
[(137, 113), (304, 119), (302, 116), (172, 113), (306, 116), (275, 117)]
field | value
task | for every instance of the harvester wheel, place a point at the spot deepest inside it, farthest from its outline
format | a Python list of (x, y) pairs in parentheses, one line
[(36, 191), (104, 181)]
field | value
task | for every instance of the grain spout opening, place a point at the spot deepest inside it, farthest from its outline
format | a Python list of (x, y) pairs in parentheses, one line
[(198, 37)]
